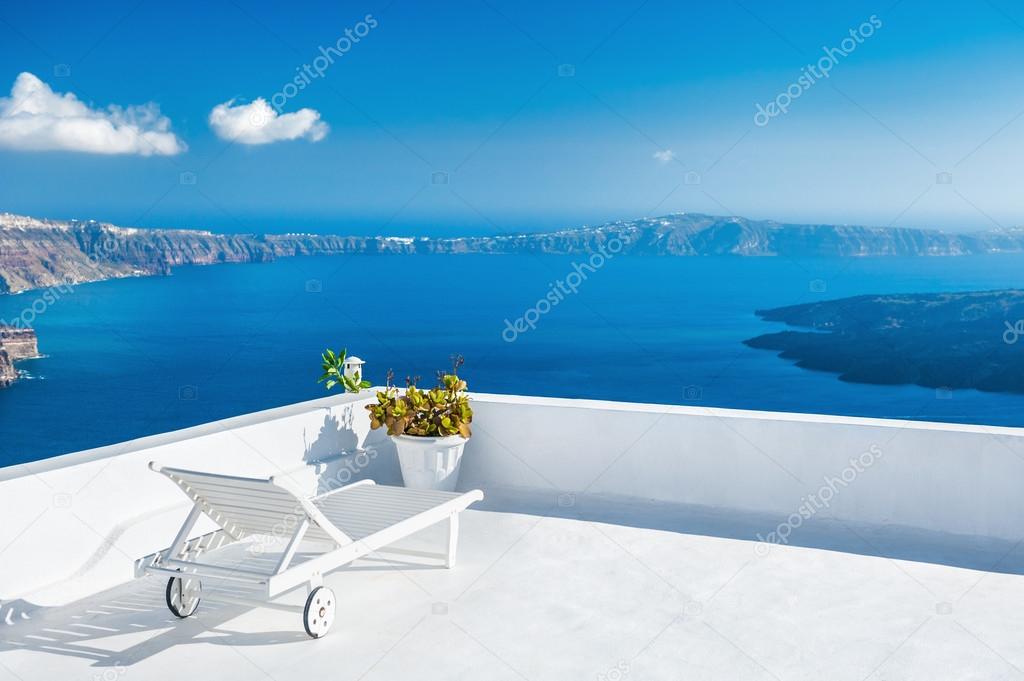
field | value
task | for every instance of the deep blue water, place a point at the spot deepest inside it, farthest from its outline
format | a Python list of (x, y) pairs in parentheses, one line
[(140, 356)]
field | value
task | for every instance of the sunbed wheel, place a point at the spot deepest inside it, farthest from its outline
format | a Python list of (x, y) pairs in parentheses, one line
[(183, 595), (318, 615)]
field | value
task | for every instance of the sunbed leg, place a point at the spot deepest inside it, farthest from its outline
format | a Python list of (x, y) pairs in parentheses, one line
[(453, 539), (180, 542), (317, 580)]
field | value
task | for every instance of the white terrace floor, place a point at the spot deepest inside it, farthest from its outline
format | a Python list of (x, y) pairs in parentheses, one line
[(542, 597)]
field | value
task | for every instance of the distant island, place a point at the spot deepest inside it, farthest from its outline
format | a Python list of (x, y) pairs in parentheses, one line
[(37, 253), (943, 340), (15, 345)]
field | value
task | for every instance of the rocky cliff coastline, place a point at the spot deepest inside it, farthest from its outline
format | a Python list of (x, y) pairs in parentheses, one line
[(15, 345), (37, 253)]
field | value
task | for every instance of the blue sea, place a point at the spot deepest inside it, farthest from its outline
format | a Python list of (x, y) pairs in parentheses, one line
[(133, 357)]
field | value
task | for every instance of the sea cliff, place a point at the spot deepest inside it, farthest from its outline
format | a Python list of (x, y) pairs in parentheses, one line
[(15, 344), (37, 253)]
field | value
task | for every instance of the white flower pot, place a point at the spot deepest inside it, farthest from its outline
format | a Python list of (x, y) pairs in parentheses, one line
[(430, 462)]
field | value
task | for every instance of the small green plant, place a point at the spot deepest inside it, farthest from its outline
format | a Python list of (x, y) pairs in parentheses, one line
[(334, 373), (438, 412)]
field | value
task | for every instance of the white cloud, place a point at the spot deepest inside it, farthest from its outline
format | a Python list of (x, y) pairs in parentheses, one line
[(664, 156), (35, 118), (257, 123)]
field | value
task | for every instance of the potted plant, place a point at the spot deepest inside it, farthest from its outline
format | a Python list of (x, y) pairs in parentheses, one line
[(429, 428)]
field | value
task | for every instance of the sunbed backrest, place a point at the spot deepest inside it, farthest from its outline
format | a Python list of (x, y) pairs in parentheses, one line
[(242, 506)]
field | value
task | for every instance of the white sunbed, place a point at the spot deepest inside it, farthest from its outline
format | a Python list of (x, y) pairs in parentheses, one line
[(354, 521)]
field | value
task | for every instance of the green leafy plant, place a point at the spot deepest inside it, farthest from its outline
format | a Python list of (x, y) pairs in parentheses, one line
[(334, 373), (441, 411)]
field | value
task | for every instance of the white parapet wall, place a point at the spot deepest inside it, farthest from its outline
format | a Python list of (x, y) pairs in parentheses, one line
[(947, 478), (75, 525)]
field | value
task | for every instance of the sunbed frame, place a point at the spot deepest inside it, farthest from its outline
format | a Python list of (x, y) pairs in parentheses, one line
[(354, 521)]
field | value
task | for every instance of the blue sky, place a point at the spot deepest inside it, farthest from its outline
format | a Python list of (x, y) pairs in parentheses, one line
[(541, 114)]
